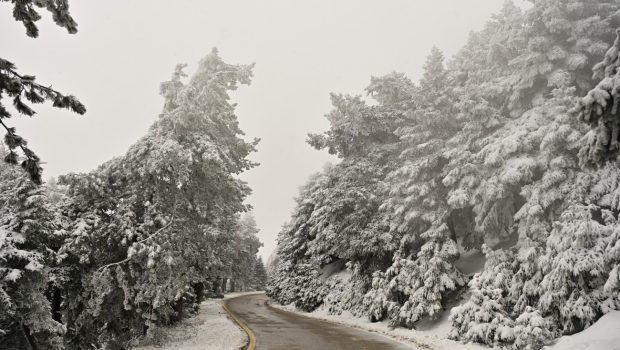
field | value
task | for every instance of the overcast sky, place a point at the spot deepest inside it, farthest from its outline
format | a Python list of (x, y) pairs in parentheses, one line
[(303, 51)]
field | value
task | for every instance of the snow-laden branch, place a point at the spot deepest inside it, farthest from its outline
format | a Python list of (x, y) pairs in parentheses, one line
[(158, 231), (102, 269)]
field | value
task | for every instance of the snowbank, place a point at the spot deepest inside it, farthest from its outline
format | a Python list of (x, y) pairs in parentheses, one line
[(432, 339), (602, 335), (211, 329)]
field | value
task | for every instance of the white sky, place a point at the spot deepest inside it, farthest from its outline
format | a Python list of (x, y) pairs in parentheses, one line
[(303, 51)]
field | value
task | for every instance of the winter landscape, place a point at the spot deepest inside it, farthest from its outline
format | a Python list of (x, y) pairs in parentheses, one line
[(322, 175)]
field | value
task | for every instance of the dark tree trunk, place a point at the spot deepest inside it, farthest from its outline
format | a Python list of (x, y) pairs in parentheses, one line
[(31, 340), (450, 223), (178, 309), (199, 290), (216, 285), (55, 303)]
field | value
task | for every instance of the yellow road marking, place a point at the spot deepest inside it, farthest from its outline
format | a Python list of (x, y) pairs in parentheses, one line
[(241, 324)]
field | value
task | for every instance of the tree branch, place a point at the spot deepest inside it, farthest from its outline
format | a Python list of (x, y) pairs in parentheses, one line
[(105, 267), (158, 231), (10, 132)]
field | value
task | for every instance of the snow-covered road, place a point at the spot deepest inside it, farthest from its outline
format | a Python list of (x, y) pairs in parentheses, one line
[(277, 329)]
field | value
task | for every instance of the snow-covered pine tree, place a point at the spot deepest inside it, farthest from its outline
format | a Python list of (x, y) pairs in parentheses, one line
[(238, 257), (599, 109), (26, 257), (486, 317), (560, 37), (295, 277), (533, 158), (337, 222), (482, 89), (259, 280), (550, 185), (574, 269), (147, 227), (422, 270)]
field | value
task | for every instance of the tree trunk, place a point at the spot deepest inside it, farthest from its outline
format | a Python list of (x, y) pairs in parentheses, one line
[(199, 289), (216, 285), (55, 304), (31, 340), (450, 224), (178, 308)]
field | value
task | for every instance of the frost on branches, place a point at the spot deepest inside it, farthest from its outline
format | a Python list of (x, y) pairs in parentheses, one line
[(150, 231), (27, 258), (599, 109)]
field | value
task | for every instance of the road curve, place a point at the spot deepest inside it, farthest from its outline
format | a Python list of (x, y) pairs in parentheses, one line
[(277, 329)]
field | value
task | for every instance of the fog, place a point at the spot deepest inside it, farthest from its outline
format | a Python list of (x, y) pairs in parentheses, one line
[(303, 51)]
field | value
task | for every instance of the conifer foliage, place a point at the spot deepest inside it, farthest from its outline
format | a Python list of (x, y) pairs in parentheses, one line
[(27, 243), (146, 229), (507, 151), (22, 89), (599, 109), (138, 243), (259, 279)]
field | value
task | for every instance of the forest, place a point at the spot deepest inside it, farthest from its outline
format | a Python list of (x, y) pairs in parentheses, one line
[(489, 188)]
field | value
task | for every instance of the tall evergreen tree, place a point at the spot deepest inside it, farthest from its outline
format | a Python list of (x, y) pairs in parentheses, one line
[(27, 239), (146, 227), (599, 109), (417, 206), (260, 274)]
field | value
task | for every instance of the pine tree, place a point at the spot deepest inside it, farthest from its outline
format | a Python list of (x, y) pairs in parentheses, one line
[(486, 317), (146, 229), (260, 275), (337, 220), (26, 236), (238, 257), (561, 37), (599, 109), (422, 270), (574, 269)]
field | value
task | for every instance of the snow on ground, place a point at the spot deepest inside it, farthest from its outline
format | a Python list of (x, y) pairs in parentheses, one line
[(433, 338), (602, 335), (211, 329)]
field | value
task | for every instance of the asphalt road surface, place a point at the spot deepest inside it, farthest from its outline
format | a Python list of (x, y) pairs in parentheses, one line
[(276, 329)]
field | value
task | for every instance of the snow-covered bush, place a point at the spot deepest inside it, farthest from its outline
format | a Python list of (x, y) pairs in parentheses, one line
[(486, 315), (532, 331)]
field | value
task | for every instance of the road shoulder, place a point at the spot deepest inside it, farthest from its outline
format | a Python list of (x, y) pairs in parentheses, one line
[(210, 329), (413, 338)]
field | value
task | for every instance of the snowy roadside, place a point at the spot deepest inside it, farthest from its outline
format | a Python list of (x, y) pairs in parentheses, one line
[(211, 329), (432, 339), (602, 335)]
